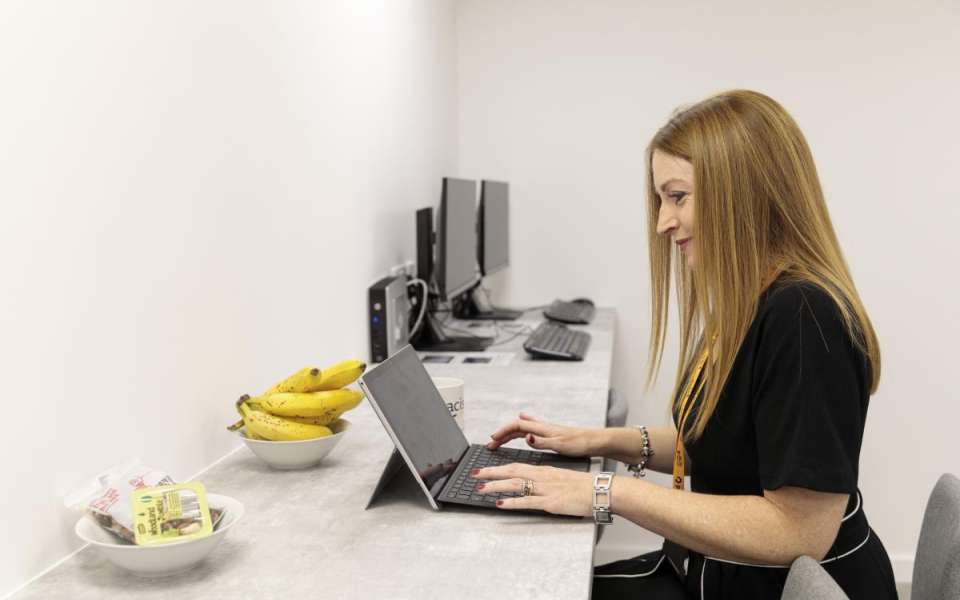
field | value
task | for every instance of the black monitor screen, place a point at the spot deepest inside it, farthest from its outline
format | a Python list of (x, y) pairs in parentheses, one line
[(457, 268), (410, 403), (495, 211)]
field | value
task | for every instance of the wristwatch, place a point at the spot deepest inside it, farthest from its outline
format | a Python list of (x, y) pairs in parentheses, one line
[(601, 498)]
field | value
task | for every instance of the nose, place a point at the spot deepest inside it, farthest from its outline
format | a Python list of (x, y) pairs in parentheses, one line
[(666, 220)]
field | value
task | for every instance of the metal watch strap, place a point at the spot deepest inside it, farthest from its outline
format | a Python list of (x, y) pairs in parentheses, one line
[(601, 498)]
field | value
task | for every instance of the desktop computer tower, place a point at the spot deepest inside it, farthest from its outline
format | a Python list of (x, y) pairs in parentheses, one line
[(389, 313)]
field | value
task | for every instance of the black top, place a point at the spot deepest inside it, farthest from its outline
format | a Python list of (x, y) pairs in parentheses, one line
[(792, 413)]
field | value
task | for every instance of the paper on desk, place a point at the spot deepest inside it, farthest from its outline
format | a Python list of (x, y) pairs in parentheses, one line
[(473, 359), (531, 323), (493, 359)]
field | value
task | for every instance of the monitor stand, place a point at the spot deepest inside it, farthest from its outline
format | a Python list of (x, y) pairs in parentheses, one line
[(431, 338), (471, 307)]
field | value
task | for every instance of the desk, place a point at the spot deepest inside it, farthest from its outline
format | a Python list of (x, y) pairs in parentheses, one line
[(306, 533)]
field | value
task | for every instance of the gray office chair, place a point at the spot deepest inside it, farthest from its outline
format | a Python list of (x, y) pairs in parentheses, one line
[(617, 409), (936, 570), (807, 580)]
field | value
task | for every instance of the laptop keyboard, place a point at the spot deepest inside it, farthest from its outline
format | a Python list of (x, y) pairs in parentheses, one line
[(463, 487)]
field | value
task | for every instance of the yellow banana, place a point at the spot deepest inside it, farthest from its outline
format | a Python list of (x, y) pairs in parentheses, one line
[(341, 375), (311, 420), (326, 406), (241, 400), (246, 399), (336, 424), (278, 429), (305, 380)]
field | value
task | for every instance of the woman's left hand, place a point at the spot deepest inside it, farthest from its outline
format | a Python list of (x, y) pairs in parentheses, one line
[(557, 491)]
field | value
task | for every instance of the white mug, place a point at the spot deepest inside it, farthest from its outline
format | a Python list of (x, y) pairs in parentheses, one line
[(451, 390)]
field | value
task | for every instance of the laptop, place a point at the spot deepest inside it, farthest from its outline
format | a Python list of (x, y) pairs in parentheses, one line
[(429, 441)]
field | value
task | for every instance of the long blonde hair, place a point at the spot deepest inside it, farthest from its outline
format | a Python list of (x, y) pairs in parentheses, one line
[(759, 210)]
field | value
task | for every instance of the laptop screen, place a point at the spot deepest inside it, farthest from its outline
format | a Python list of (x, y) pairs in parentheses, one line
[(411, 404)]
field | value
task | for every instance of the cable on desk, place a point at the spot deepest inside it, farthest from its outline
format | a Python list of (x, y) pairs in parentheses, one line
[(509, 339), (511, 330), (500, 329), (423, 304)]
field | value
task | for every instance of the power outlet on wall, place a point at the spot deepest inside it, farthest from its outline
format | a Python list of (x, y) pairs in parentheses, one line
[(405, 268)]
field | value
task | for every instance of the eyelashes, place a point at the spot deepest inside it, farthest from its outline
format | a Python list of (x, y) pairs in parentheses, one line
[(678, 197)]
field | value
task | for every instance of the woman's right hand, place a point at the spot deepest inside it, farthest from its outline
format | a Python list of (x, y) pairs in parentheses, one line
[(572, 441)]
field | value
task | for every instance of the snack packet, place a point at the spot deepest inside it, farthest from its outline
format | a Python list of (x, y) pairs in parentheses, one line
[(108, 496), (170, 513)]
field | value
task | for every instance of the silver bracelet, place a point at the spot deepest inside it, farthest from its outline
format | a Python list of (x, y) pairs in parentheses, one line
[(602, 513), (645, 453)]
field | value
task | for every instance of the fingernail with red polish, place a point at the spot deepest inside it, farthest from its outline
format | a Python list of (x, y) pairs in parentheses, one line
[(474, 472), (480, 487), (530, 438), (499, 502)]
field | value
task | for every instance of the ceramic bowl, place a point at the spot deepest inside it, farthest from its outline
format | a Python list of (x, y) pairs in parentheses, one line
[(162, 559), (296, 455)]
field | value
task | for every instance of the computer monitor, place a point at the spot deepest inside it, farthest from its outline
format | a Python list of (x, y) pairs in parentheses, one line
[(454, 267), (457, 269), (493, 253), (494, 219), (425, 244)]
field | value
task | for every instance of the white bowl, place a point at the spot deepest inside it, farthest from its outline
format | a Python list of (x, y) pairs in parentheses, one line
[(162, 559), (294, 455)]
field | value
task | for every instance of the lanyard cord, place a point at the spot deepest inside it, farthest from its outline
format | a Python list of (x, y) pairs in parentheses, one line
[(686, 401), (685, 408)]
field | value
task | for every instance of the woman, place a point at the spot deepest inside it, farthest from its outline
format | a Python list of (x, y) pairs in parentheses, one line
[(778, 362)]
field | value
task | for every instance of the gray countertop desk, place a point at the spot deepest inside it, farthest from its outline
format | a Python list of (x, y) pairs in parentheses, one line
[(306, 533)]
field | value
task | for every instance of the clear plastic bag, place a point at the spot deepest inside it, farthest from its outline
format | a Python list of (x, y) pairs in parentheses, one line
[(107, 497)]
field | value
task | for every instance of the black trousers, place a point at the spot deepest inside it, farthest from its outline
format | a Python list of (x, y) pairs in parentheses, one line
[(645, 577), (865, 574)]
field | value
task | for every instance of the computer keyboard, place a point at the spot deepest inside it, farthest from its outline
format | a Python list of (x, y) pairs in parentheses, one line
[(558, 342), (463, 488), (579, 313)]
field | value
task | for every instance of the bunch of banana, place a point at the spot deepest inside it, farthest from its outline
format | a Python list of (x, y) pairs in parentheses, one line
[(304, 406)]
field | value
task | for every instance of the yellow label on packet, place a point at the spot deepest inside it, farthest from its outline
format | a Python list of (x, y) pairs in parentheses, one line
[(170, 513)]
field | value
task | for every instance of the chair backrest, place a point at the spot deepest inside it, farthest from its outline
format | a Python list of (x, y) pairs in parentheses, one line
[(617, 409), (936, 570), (808, 580)]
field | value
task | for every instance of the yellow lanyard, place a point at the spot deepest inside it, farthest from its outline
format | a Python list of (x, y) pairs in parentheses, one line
[(688, 394), (685, 406)]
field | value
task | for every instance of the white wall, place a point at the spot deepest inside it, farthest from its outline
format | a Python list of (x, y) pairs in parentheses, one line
[(195, 196), (560, 98)]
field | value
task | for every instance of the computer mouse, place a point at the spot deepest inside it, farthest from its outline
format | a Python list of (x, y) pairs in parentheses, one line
[(587, 301)]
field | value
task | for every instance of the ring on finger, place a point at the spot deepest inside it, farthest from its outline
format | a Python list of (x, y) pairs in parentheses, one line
[(526, 487)]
